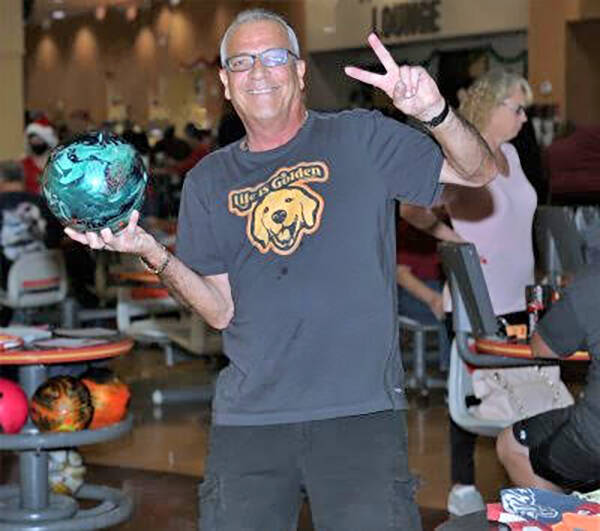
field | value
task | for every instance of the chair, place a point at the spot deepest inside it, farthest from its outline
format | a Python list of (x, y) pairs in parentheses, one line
[(35, 280), (187, 331), (419, 379), (141, 314), (150, 315), (147, 314), (472, 315)]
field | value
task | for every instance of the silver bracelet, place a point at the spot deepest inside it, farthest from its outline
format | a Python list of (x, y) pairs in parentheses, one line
[(158, 270)]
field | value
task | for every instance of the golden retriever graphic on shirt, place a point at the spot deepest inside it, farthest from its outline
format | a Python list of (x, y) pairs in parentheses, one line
[(281, 210)]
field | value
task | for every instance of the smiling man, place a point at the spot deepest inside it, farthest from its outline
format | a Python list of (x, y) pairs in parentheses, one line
[(265, 89), (285, 241)]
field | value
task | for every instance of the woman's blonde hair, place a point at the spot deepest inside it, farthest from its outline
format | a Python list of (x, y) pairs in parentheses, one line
[(488, 91)]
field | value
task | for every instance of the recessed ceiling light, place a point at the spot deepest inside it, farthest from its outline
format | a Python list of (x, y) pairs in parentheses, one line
[(174, 2), (100, 12), (131, 13), (58, 14)]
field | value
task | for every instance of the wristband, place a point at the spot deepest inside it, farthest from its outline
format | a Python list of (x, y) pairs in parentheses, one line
[(437, 120), (158, 270)]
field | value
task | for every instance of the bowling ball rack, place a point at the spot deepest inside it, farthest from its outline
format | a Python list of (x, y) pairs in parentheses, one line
[(29, 504)]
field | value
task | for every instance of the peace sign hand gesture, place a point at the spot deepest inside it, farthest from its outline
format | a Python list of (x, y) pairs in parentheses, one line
[(411, 88)]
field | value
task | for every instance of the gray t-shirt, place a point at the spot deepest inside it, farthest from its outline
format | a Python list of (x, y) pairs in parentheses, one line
[(306, 234), (573, 323)]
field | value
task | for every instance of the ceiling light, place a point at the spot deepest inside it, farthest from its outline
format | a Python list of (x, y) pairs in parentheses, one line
[(100, 12), (131, 13), (58, 14), (174, 2)]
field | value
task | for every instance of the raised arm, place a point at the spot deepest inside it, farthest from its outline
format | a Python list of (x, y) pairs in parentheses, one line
[(469, 161), (209, 296)]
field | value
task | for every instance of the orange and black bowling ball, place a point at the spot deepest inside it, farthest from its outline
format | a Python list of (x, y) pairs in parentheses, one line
[(110, 396), (62, 403)]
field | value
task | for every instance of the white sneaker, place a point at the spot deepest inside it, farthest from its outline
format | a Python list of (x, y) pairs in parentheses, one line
[(464, 499)]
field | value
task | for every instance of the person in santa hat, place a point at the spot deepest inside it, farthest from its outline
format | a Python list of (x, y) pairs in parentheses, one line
[(41, 138)]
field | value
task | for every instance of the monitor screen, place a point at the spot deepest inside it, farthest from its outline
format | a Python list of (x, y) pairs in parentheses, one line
[(462, 267)]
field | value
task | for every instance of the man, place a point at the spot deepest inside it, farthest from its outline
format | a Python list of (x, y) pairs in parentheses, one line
[(41, 139), (286, 242), (26, 224), (170, 147), (559, 450), (200, 141)]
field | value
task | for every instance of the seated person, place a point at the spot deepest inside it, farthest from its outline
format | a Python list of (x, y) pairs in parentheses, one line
[(200, 141), (431, 299), (560, 450), (420, 279), (26, 224), (170, 148)]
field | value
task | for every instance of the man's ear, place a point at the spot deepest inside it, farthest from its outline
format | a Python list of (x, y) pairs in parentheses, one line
[(300, 71), (225, 81)]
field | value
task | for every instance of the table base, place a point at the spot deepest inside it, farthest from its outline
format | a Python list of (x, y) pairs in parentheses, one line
[(63, 513)]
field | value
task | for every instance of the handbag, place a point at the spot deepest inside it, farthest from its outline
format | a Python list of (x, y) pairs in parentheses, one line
[(511, 394)]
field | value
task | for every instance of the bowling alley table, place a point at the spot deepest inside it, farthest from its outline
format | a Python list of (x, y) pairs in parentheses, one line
[(192, 336), (517, 349), (29, 504), (190, 333)]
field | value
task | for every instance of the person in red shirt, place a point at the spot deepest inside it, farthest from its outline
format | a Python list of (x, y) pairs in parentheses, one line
[(420, 278), (200, 141), (41, 138), (573, 164)]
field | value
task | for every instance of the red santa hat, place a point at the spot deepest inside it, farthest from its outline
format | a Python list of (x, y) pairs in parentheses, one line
[(43, 128)]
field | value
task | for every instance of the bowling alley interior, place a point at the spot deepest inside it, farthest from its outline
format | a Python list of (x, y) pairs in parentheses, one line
[(112, 369)]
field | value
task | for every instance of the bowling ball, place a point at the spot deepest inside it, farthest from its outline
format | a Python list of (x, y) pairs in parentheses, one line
[(110, 396), (94, 181), (62, 403), (13, 406)]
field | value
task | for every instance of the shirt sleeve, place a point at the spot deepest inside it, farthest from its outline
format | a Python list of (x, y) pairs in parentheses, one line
[(560, 327), (196, 244), (408, 160)]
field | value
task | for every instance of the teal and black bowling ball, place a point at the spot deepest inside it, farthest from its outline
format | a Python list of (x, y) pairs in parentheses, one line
[(94, 181)]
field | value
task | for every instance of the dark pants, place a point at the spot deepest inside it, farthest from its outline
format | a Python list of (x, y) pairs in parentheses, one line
[(462, 442), (556, 450), (354, 471)]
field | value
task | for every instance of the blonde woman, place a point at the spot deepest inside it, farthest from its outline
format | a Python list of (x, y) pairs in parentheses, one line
[(498, 219)]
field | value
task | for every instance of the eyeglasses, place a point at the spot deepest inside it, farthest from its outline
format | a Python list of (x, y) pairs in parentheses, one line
[(269, 58), (519, 110)]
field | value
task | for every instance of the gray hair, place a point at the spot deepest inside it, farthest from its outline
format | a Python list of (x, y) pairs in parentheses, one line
[(257, 15), (11, 171), (489, 90)]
